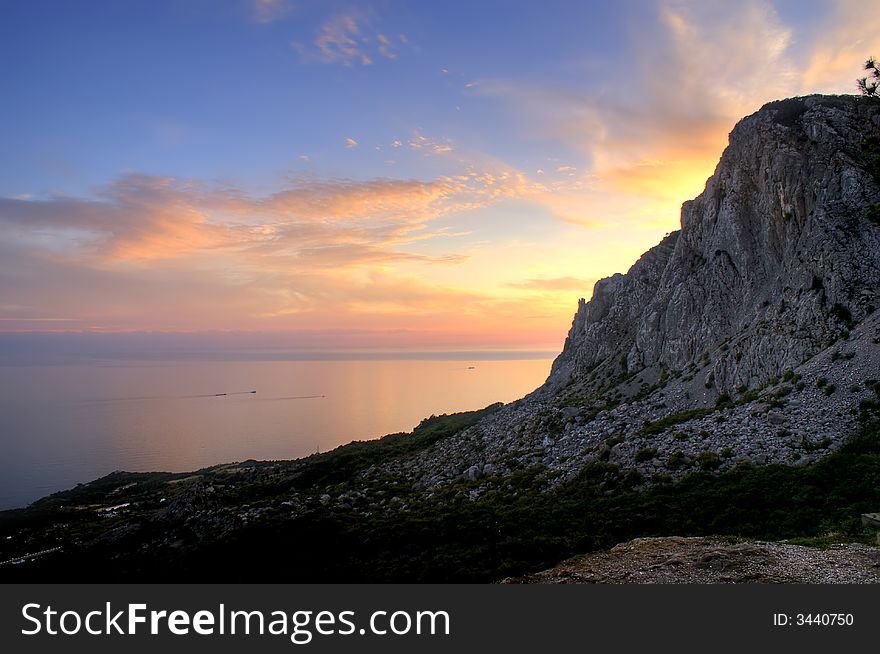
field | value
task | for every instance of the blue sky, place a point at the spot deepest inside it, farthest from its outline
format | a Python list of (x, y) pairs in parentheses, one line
[(217, 90), (433, 170)]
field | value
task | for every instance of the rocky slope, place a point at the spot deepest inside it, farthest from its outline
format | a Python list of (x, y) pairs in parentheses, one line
[(678, 560), (748, 335)]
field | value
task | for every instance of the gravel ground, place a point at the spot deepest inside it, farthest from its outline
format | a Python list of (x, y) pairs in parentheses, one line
[(677, 560)]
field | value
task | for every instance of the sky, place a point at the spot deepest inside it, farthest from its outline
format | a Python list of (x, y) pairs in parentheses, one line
[(387, 174)]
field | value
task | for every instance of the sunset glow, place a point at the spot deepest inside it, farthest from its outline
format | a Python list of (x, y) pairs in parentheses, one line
[(398, 175)]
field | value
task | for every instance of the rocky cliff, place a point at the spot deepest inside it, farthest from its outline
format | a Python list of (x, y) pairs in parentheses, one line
[(775, 260), (748, 335)]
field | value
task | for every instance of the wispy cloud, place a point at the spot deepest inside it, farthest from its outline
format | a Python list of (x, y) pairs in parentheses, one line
[(142, 218), (648, 143), (270, 11), (849, 36), (340, 41), (136, 217), (386, 48), (195, 254), (426, 144), (349, 39)]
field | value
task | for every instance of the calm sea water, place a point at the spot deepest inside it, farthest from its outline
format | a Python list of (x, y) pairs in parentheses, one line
[(62, 424)]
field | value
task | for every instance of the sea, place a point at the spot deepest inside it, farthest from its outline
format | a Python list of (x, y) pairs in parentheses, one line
[(69, 421)]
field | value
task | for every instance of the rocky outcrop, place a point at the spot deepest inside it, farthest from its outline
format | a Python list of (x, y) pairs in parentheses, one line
[(750, 335), (775, 260)]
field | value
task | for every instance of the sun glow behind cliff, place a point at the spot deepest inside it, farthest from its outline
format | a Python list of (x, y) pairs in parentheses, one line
[(313, 169)]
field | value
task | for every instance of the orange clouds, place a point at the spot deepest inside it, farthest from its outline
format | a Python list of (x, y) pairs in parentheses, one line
[(140, 218), (163, 253), (651, 141), (713, 64), (143, 218), (851, 35)]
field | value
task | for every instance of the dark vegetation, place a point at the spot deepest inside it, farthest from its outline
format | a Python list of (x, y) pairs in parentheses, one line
[(788, 111), (344, 462), (870, 88), (653, 427), (515, 526)]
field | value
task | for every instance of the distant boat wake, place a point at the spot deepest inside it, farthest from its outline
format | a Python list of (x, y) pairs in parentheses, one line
[(142, 398), (225, 394)]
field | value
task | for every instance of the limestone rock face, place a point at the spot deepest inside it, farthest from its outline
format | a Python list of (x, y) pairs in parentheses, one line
[(775, 260)]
